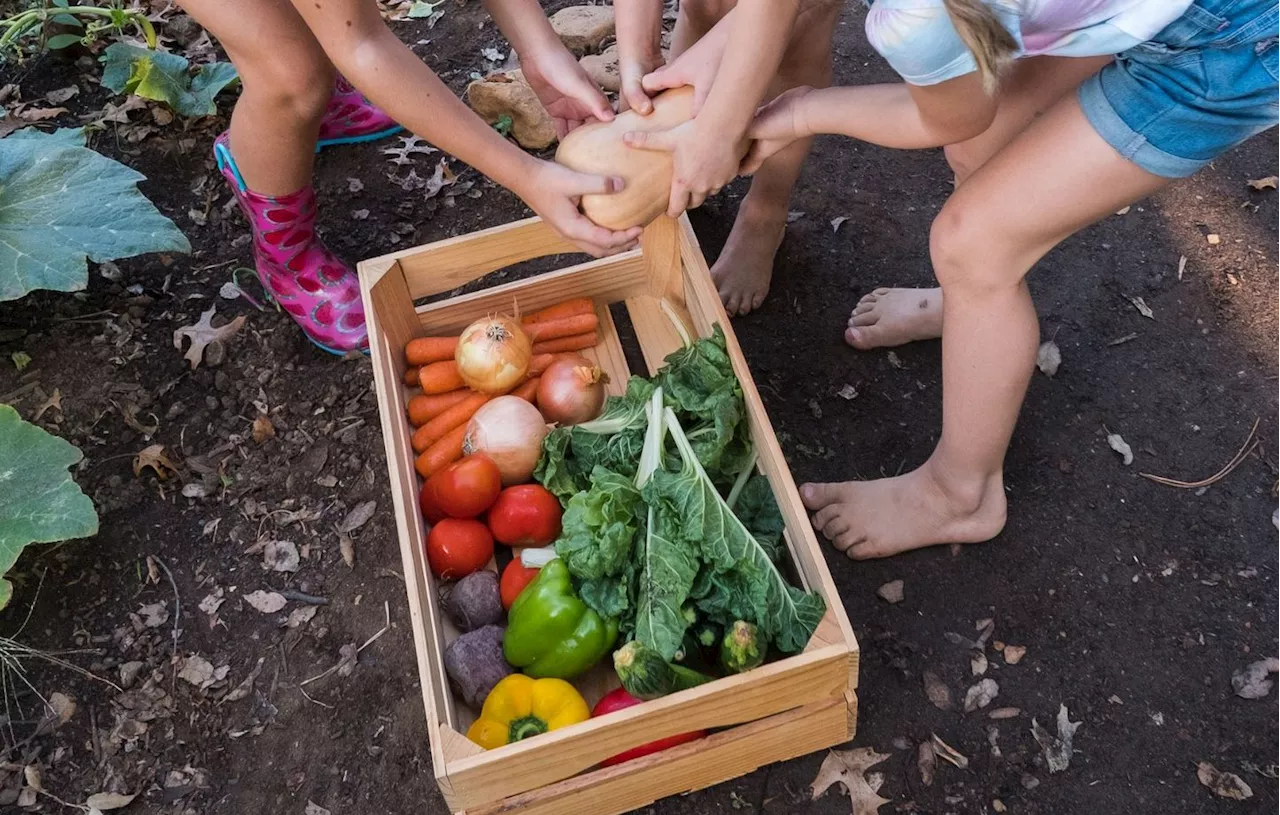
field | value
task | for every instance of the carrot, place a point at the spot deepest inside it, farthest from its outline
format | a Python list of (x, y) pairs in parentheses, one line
[(411, 377), (426, 350), (423, 408), (539, 363), (440, 377), (528, 390), (443, 453), (439, 427), (569, 308), (577, 342), (567, 327)]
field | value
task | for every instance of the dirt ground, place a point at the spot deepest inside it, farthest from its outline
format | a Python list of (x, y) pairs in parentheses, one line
[(1135, 602)]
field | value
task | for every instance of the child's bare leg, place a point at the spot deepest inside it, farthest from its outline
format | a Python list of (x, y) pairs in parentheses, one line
[(744, 269), (287, 82), (887, 317), (1051, 181)]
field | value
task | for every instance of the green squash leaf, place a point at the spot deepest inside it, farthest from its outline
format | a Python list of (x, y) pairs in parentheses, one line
[(59, 203), (39, 503), (166, 78), (66, 136)]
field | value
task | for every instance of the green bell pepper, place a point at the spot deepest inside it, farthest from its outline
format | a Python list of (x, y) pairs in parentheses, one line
[(552, 633)]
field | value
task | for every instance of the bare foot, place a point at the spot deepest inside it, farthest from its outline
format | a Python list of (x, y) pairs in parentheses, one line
[(888, 317), (745, 267), (871, 519)]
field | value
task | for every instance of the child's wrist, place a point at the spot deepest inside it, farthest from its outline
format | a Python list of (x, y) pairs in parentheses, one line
[(801, 116)]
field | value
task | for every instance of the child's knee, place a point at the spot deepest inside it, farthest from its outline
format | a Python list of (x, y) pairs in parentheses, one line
[(704, 14), (300, 87), (961, 250)]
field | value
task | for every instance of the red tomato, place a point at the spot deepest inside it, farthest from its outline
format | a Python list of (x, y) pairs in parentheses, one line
[(429, 503), (618, 700), (514, 578), (467, 487), (527, 515), (456, 548)]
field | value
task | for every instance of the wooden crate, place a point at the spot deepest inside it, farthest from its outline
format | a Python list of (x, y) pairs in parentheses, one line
[(780, 710)]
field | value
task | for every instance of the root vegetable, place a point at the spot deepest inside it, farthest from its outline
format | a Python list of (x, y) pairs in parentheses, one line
[(576, 342), (474, 601), (474, 663), (423, 408), (571, 392), (440, 426), (493, 354), (569, 308), (510, 431), (443, 453), (426, 350), (439, 377), (563, 327)]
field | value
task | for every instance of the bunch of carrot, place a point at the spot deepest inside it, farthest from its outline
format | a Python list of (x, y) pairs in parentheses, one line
[(445, 406)]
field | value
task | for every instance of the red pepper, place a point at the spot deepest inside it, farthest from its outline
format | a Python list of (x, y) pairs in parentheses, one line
[(514, 578), (620, 699)]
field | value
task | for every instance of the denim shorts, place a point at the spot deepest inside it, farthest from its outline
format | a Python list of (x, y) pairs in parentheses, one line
[(1201, 86)]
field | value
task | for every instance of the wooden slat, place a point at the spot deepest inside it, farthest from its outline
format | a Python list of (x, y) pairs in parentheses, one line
[(608, 280), (688, 767), (392, 323), (654, 331), (767, 690), (661, 246), (445, 265), (609, 354), (706, 309)]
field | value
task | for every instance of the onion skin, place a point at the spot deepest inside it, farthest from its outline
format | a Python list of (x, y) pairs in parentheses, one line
[(571, 391), (493, 354), (510, 431)]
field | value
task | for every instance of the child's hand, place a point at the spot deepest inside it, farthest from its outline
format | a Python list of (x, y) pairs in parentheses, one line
[(553, 192), (776, 125), (632, 95), (565, 90), (704, 162), (696, 66)]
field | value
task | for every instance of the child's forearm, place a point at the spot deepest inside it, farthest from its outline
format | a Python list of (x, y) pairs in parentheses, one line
[(639, 30), (525, 26), (758, 36), (887, 115)]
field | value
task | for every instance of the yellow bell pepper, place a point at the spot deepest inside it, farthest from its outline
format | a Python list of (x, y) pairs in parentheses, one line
[(519, 707)]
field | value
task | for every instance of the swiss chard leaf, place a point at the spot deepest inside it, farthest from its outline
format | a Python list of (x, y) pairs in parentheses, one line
[(668, 566), (698, 382), (166, 78), (557, 469), (613, 440), (758, 511), (599, 527)]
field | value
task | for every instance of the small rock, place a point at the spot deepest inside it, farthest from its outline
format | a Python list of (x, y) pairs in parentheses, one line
[(603, 69), (582, 29), (508, 94), (1029, 781), (1013, 654), (182, 28), (891, 592)]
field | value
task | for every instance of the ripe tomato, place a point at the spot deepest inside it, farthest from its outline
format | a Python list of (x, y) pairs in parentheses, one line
[(467, 487), (526, 515), (456, 548), (514, 578), (619, 699), (429, 503)]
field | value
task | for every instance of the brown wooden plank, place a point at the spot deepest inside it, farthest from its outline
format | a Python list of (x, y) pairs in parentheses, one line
[(608, 281), (657, 336), (696, 765), (453, 262), (661, 246), (772, 688), (609, 354)]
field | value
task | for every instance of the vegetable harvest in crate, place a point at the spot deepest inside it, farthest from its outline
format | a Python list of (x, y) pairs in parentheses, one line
[(668, 561)]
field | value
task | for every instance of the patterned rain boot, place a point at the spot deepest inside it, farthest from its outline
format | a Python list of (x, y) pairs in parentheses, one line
[(351, 118), (318, 290)]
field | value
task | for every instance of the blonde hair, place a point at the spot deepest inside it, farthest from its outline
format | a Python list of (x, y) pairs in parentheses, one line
[(991, 44)]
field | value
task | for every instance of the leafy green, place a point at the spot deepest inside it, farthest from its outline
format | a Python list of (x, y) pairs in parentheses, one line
[(39, 503), (745, 581), (613, 440), (700, 385), (599, 526), (65, 136), (59, 203), (758, 510), (166, 78)]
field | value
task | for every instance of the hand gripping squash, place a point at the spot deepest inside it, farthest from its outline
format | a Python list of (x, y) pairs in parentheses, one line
[(599, 149)]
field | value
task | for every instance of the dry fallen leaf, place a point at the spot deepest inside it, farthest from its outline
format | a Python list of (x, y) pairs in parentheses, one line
[(1268, 183), (154, 615), (246, 686), (107, 801), (1049, 358), (978, 663), (263, 429), (1142, 307), (948, 753), (849, 767), (300, 616), (31, 773), (1182, 266), (891, 592), (347, 659), (1013, 654), (926, 762), (1005, 713), (202, 334), (848, 393), (894, 359), (281, 556), (63, 706), (39, 114), (268, 602), (63, 94), (200, 672), (315, 809), (1116, 442), (154, 458), (1224, 785), (836, 222), (980, 695), (1057, 749), (1252, 682), (1124, 210), (937, 691)]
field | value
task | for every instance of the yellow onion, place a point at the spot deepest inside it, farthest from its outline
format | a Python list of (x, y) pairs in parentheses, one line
[(571, 391), (510, 431), (493, 354)]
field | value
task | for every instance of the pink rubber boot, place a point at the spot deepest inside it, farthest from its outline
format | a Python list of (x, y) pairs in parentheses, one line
[(319, 291), (351, 118)]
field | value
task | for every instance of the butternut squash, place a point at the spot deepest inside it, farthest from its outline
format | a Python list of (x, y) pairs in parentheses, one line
[(599, 148)]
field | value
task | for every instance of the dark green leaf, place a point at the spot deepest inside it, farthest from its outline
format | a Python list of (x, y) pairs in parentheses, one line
[(165, 78), (668, 565), (599, 527), (59, 41)]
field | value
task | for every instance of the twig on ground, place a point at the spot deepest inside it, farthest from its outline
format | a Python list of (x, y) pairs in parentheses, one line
[(177, 603), (1248, 447), (310, 599), (386, 607)]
